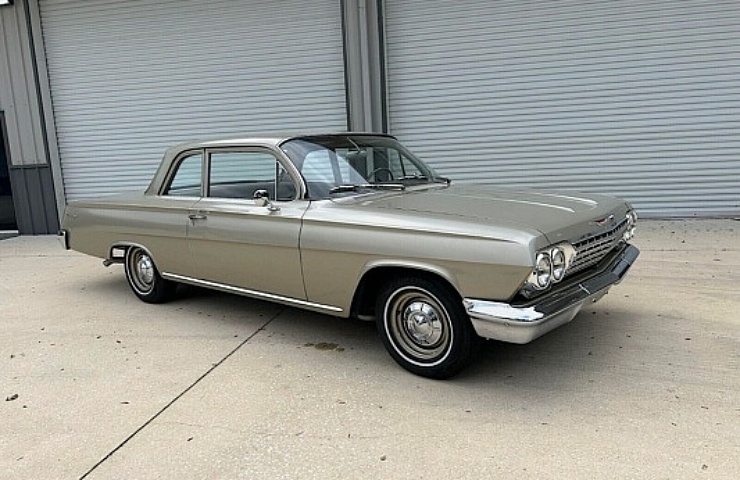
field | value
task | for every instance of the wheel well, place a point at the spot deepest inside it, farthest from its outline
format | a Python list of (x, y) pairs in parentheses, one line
[(117, 253), (363, 303)]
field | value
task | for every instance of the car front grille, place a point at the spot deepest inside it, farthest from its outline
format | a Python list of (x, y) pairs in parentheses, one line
[(591, 250)]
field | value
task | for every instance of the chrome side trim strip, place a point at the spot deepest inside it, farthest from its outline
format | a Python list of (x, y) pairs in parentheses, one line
[(249, 293)]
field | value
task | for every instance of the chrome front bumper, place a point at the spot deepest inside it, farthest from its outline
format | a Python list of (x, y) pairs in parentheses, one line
[(522, 324)]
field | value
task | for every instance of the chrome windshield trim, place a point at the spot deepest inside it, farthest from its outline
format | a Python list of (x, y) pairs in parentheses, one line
[(249, 293)]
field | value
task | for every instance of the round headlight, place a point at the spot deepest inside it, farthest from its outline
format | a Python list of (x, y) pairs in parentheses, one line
[(543, 270), (557, 256), (631, 225)]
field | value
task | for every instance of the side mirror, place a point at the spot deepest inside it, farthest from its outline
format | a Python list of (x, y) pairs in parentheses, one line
[(262, 199)]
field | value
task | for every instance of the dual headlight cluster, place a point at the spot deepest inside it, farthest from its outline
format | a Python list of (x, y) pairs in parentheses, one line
[(550, 265), (631, 225)]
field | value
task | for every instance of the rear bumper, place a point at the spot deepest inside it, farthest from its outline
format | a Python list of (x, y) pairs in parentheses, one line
[(522, 324), (64, 239)]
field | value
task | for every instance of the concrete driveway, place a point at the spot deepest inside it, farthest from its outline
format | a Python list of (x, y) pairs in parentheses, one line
[(645, 384)]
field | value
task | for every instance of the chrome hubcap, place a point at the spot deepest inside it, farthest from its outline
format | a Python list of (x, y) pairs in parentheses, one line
[(140, 271), (145, 269), (422, 323), (418, 326)]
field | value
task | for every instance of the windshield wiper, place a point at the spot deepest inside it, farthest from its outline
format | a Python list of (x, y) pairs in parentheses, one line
[(417, 176), (413, 177), (373, 186)]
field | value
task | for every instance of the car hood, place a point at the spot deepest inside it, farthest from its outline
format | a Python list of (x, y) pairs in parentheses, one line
[(558, 215)]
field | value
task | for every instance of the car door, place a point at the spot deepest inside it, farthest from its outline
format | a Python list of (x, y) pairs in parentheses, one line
[(235, 241), (163, 225)]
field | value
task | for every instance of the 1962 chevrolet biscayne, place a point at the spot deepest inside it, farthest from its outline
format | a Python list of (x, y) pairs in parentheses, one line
[(355, 225)]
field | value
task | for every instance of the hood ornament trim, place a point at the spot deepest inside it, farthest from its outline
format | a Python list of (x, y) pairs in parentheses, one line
[(603, 221)]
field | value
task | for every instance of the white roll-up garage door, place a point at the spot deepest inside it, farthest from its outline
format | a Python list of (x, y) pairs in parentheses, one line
[(639, 99), (131, 78)]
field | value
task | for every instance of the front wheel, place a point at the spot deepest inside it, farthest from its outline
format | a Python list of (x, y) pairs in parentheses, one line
[(424, 327), (144, 278)]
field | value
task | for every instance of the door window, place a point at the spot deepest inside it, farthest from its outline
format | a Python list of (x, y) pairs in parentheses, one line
[(241, 174), (187, 180)]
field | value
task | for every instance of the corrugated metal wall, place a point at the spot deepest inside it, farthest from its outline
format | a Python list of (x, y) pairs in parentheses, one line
[(131, 78), (23, 123), (639, 99), (18, 97)]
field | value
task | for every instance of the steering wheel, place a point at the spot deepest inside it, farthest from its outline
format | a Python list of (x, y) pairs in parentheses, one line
[(374, 174)]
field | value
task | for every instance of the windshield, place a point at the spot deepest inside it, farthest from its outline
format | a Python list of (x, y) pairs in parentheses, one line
[(333, 165)]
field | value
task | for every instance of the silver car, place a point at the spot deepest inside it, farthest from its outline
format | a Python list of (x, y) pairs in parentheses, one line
[(355, 225)]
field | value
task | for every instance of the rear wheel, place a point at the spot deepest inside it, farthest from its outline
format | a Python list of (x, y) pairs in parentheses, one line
[(144, 278), (424, 327)]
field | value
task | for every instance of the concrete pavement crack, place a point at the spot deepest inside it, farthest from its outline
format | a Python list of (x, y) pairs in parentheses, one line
[(180, 395)]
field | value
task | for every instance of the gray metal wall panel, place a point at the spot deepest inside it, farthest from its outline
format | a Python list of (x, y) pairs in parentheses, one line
[(131, 78), (33, 196), (638, 99), (18, 97)]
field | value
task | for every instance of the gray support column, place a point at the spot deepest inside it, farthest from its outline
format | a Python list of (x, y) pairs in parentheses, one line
[(364, 65), (47, 111)]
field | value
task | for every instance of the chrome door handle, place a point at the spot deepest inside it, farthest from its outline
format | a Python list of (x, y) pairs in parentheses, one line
[(196, 216)]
